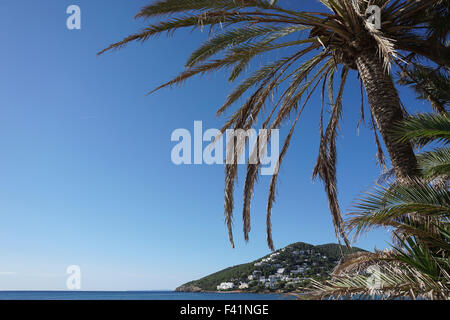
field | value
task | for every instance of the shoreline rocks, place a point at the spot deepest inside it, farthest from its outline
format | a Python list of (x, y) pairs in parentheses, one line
[(188, 288)]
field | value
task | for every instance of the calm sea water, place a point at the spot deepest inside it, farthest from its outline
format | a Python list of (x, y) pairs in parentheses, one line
[(133, 295)]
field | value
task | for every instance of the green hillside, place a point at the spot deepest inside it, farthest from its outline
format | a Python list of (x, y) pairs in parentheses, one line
[(286, 269)]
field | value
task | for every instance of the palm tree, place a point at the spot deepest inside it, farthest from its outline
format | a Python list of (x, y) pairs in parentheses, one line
[(337, 40), (418, 213)]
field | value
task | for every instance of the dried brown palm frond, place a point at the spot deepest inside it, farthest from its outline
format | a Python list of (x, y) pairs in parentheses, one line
[(359, 262), (388, 282), (326, 162)]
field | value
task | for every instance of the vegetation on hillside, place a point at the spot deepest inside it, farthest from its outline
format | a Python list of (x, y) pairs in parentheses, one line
[(315, 265)]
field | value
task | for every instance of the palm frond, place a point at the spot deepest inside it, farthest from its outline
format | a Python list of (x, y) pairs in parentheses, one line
[(388, 282), (435, 163), (385, 205), (425, 128)]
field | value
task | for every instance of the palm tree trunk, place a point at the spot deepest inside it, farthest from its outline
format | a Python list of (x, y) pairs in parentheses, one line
[(385, 105)]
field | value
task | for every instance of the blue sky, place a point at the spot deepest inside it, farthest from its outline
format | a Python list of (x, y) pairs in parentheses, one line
[(85, 172)]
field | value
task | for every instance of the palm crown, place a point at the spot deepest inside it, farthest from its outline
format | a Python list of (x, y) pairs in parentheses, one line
[(334, 41)]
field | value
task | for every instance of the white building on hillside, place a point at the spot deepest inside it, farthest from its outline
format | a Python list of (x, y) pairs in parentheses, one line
[(225, 286), (299, 270), (271, 285), (243, 285)]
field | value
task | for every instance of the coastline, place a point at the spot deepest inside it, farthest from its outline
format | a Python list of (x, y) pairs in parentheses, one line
[(134, 295), (199, 290)]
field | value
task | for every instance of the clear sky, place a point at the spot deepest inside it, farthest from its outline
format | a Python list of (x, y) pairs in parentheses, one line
[(85, 171)]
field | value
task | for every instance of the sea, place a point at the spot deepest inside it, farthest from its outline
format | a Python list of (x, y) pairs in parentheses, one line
[(136, 295)]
